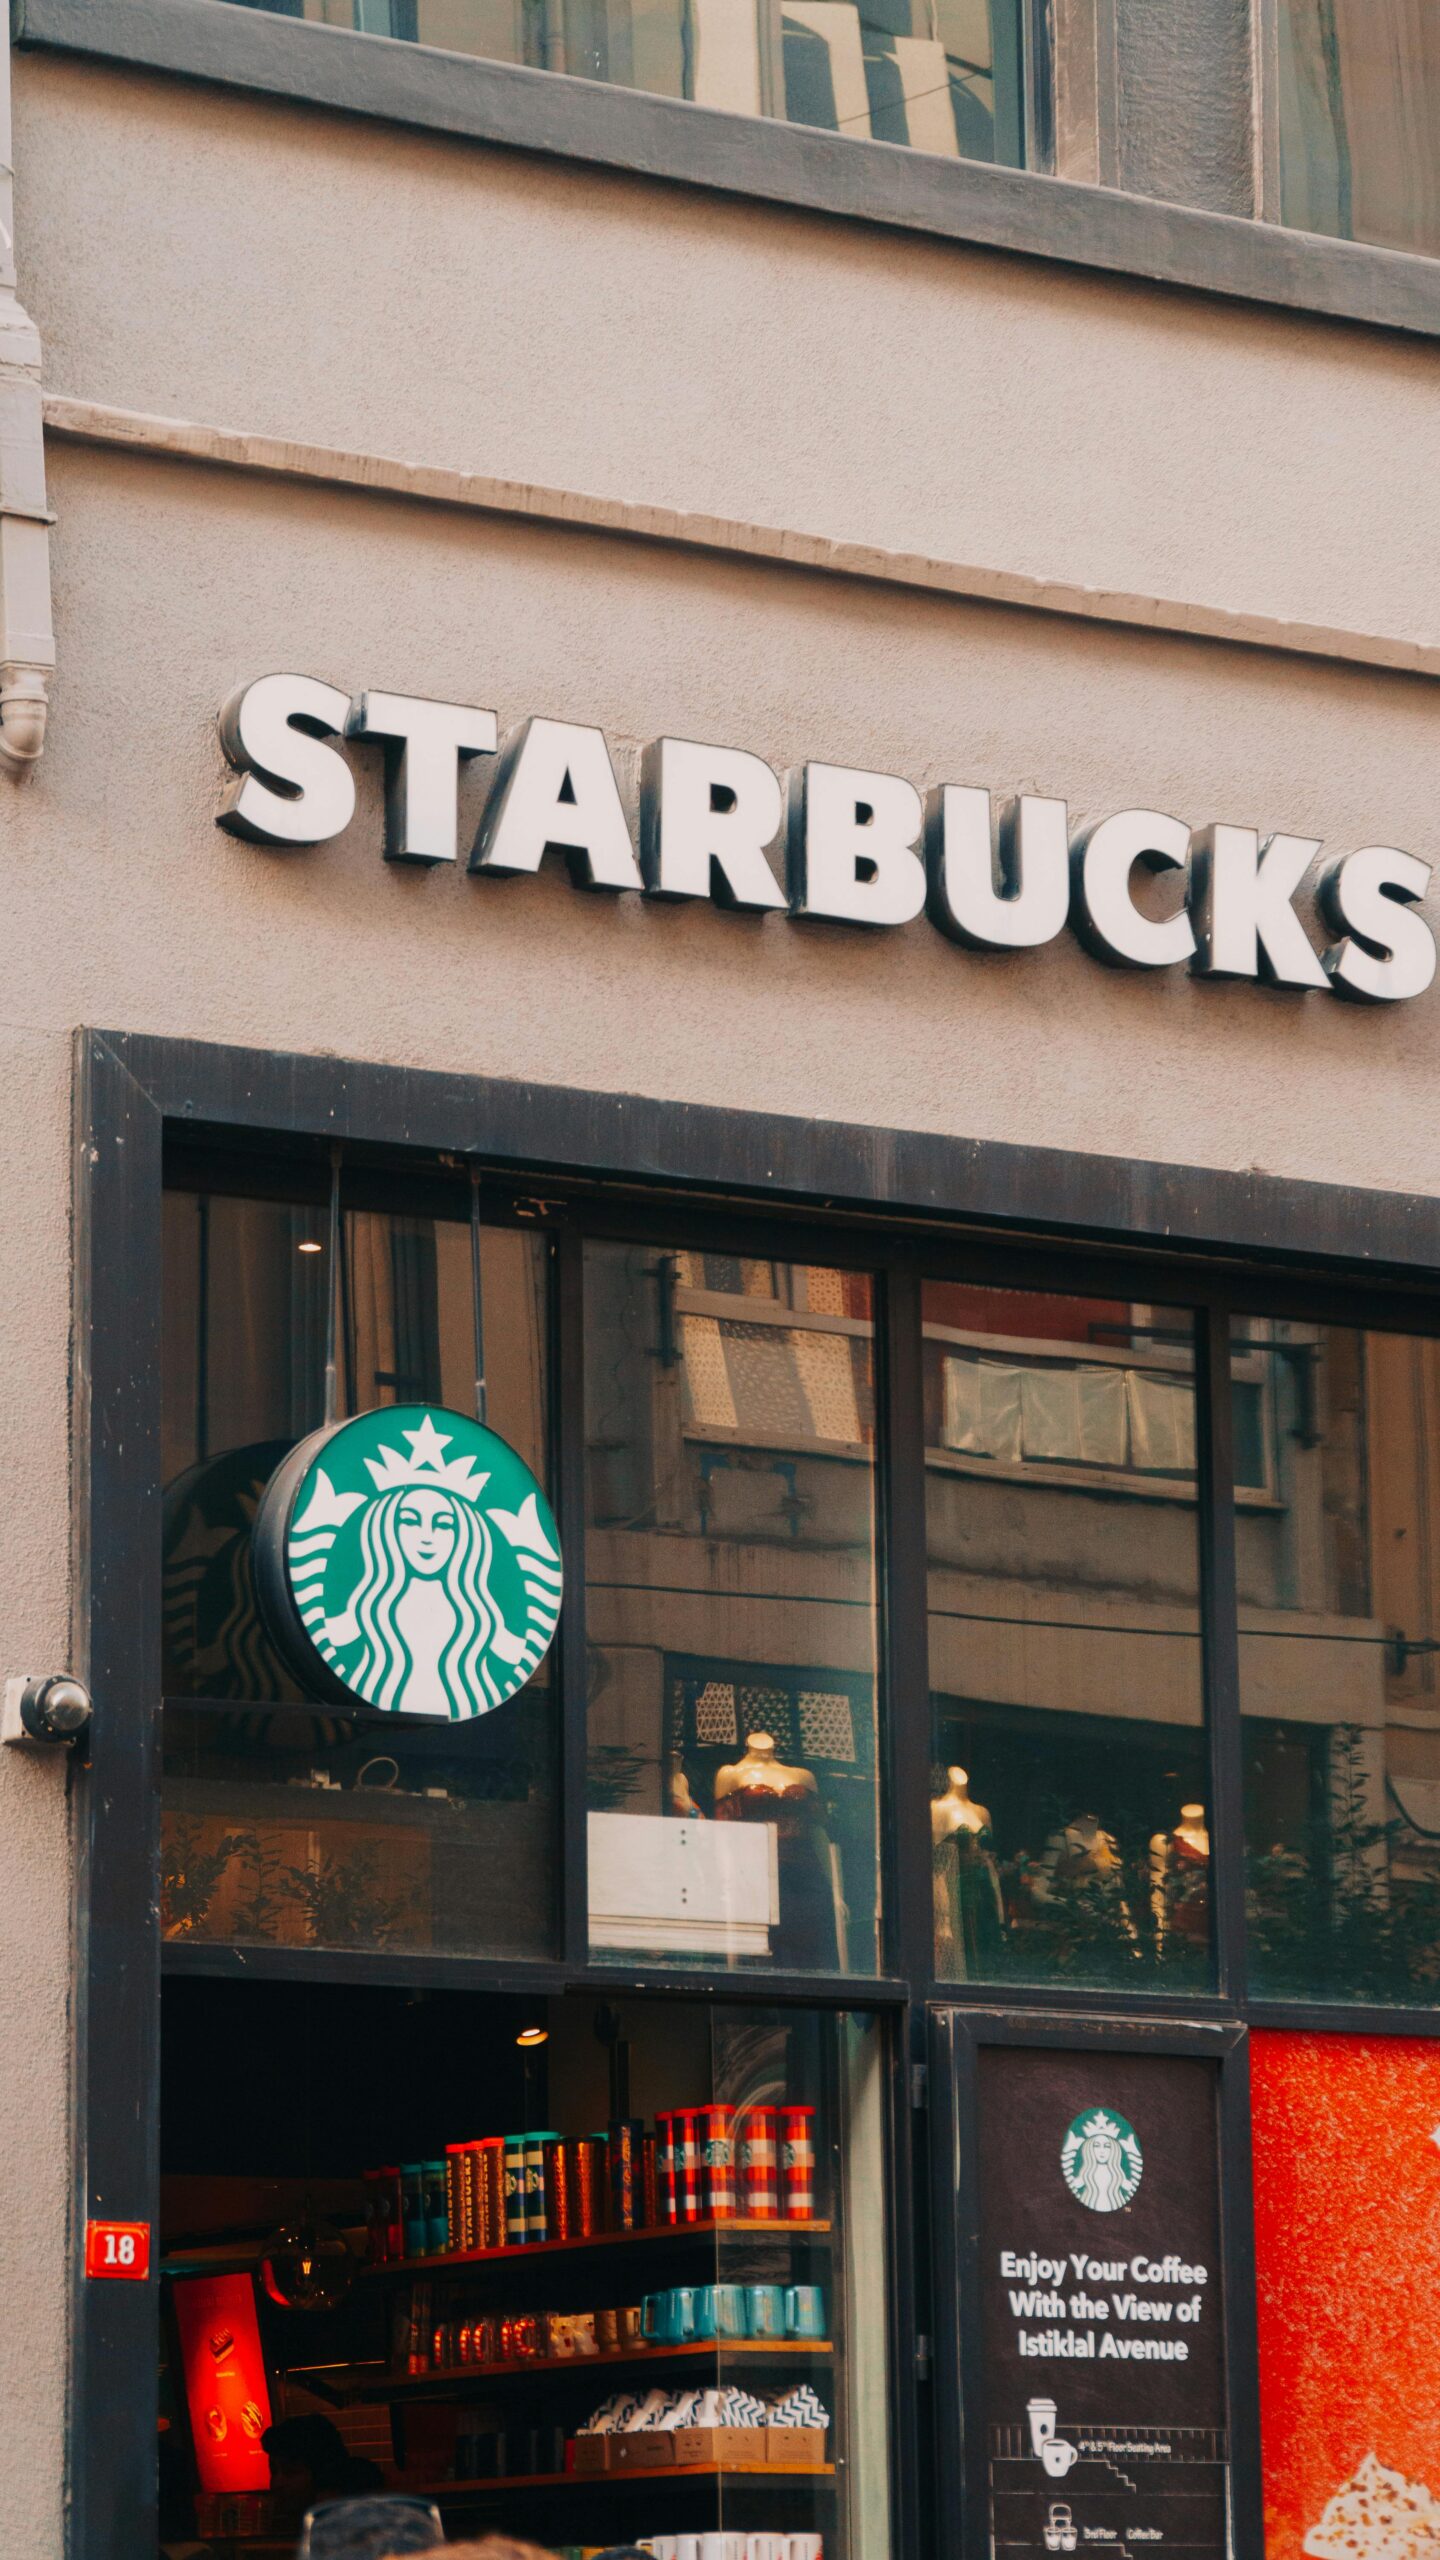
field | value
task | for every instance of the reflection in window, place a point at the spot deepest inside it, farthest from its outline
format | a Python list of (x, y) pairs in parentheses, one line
[(1340, 1665), (1068, 1816), (730, 1574), (941, 75), (1359, 105), (283, 1822)]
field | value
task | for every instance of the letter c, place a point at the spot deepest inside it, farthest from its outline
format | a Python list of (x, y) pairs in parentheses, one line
[(1103, 915)]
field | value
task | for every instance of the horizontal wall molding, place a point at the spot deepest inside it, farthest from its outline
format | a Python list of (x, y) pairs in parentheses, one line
[(1020, 211), (772, 546)]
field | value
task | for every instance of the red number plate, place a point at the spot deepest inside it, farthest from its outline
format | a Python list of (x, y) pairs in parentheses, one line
[(118, 2249)]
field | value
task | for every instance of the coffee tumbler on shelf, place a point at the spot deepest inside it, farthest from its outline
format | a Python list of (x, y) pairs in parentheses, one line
[(797, 2163), (557, 2189), (627, 2173), (490, 2208), (412, 2208), (585, 2174), (537, 2221), (717, 2163), (759, 2166), (517, 2216), (665, 2168), (687, 2165)]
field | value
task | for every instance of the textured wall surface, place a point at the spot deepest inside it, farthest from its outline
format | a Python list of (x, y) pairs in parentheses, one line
[(200, 256), (1185, 91), (451, 304)]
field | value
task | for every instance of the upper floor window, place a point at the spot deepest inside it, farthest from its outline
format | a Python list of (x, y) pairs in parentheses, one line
[(947, 76), (1359, 113)]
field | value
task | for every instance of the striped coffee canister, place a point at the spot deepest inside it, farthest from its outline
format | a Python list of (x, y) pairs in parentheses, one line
[(687, 2165), (665, 2167), (717, 2163), (759, 2166), (797, 2163), (537, 2216), (517, 2217)]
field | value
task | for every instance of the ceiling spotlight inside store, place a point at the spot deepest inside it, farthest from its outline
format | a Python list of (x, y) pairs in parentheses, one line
[(533, 2035), (310, 1246)]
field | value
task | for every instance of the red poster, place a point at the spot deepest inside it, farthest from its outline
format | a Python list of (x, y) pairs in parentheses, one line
[(225, 2386), (1347, 2244)]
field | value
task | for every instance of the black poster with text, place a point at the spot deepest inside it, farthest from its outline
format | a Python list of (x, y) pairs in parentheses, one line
[(1100, 2266)]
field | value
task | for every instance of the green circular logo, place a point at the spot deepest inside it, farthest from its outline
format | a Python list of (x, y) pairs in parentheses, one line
[(1101, 2161), (413, 1553)]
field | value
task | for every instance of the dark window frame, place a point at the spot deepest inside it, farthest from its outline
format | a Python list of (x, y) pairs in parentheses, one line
[(902, 1204), (1023, 211)]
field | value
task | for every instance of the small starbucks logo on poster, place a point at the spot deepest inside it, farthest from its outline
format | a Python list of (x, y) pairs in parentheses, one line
[(412, 1551), (1101, 2161)]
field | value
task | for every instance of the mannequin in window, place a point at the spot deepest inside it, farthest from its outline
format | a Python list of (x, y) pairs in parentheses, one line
[(969, 1909), (1082, 1866), (1180, 1879), (762, 1788)]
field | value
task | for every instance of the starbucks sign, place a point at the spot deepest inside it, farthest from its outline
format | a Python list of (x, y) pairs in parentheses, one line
[(408, 1560)]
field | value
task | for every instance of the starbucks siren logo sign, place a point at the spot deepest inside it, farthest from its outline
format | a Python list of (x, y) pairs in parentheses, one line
[(1100, 2161), (409, 1559)]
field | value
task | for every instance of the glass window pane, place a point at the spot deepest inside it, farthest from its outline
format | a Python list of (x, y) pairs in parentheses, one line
[(1338, 1552), (506, 2270), (1360, 120), (285, 1821), (1068, 1817), (731, 1609), (944, 76)]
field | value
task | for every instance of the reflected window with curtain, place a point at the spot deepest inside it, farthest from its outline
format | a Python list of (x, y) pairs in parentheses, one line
[(1338, 1559), (1068, 1815), (731, 1609)]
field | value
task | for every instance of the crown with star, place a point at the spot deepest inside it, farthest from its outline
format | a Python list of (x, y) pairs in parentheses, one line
[(427, 1464)]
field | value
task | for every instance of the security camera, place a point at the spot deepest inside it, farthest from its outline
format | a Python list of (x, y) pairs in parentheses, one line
[(45, 1708)]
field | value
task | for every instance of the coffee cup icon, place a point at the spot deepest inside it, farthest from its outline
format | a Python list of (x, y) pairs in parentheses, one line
[(1042, 2415), (1057, 2457)]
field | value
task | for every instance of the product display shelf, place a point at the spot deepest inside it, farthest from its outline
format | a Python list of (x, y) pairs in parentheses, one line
[(342, 2384), (447, 2259), (653, 2482)]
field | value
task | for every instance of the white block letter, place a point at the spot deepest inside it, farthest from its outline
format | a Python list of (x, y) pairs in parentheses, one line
[(292, 788), (1369, 896), (706, 816), (425, 743), (852, 846), (1240, 893), (555, 792), (1103, 913), (1002, 887)]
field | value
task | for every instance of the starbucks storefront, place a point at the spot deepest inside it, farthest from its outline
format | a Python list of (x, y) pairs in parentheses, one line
[(792, 1843)]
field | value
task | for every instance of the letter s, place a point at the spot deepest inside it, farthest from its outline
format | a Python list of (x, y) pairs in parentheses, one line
[(1389, 953), (275, 728)]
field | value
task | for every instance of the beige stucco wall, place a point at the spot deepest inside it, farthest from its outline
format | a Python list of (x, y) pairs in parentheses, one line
[(227, 261)]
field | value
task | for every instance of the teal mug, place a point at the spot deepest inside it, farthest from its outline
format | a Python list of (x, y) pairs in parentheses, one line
[(765, 2306), (669, 2318), (720, 2311), (804, 2311)]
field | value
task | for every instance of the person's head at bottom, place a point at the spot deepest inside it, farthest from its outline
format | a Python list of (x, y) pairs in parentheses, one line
[(310, 2460), (498, 2546), (378, 2528)]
